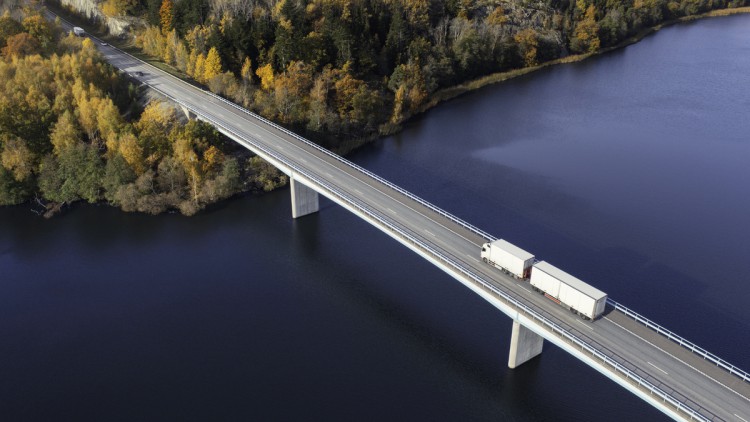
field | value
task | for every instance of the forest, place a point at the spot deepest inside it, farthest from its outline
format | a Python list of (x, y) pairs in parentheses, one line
[(72, 129), (336, 71)]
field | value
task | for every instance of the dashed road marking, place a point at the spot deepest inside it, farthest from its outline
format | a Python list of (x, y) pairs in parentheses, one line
[(392, 211), (740, 417), (585, 325), (665, 372), (430, 233), (472, 257)]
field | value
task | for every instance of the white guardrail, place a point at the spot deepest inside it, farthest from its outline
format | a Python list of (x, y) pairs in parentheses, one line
[(567, 335), (317, 147), (619, 367), (661, 330), (362, 170), (705, 354)]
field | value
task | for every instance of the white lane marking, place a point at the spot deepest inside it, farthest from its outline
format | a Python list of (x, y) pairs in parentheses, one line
[(740, 417), (303, 160), (430, 233), (472, 257), (678, 360), (585, 325), (665, 372), (329, 174), (358, 191), (391, 210)]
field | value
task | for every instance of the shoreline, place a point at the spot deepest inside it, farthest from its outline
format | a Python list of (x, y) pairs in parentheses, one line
[(455, 91), (443, 95)]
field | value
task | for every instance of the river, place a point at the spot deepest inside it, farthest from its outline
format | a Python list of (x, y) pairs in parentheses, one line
[(629, 170)]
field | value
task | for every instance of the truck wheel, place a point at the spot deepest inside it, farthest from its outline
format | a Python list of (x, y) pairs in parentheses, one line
[(485, 260)]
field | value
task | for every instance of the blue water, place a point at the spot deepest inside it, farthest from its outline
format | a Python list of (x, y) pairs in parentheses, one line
[(627, 170)]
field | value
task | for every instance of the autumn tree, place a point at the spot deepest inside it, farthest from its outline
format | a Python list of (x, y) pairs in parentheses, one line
[(129, 148), (247, 71), (65, 133), (290, 90), (166, 15), (154, 126), (17, 158), (585, 37), (265, 73), (20, 45), (118, 7), (527, 43), (8, 28), (38, 27), (212, 65)]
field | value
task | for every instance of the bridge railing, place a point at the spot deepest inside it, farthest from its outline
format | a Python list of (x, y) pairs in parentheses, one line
[(453, 263), (335, 193), (705, 354), (336, 157), (358, 168)]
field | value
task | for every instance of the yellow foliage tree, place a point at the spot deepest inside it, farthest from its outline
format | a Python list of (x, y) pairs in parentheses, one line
[(585, 36), (527, 41), (198, 67), (166, 15), (265, 73), (212, 65), (497, 16), (108, 120), (38, 27), (117, 7), (65, 133), (398, 105), (247, 70), (17, 158), (186, 155), (212, 158), (132, 152)]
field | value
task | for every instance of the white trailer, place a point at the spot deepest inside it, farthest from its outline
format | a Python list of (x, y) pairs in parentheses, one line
[(78, 31), (581, 298), (508, 257)]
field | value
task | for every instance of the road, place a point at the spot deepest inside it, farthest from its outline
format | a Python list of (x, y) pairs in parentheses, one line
[(707, 389)]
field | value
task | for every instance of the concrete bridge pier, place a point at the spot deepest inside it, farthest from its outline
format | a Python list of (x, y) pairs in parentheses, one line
[(190, 115), (524, 345), (304, 199)]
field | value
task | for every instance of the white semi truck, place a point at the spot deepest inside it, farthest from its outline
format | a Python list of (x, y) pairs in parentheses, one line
[(568, 291), (78, 31), (508, 257)]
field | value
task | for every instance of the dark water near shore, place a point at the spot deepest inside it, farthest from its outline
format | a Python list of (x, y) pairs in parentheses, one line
[(629, 171)]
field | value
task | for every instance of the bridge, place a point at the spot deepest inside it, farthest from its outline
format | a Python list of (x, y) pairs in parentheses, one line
[(672, 374)]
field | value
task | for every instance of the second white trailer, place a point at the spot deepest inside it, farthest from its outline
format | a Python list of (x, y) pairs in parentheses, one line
[(579, 297)]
